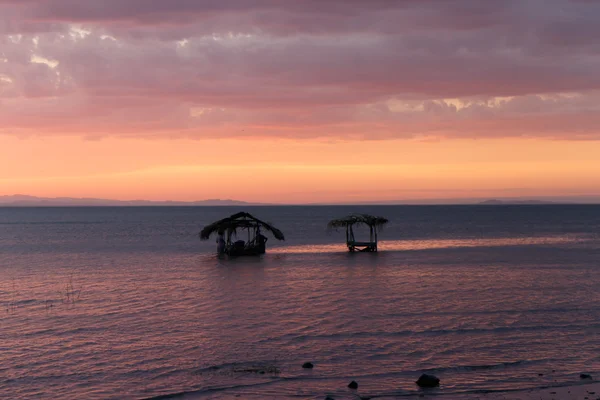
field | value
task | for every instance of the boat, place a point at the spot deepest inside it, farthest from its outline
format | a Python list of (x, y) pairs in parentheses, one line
[(374, 223), (227, 230)]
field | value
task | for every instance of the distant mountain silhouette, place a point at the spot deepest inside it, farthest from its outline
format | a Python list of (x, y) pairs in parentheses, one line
[(501, 202), (21, 200), (581, 199)]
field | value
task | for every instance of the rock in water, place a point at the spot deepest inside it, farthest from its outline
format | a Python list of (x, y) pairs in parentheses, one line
[(353, 385), (307, 365), (428, 381), (585, 376), (329, 398)]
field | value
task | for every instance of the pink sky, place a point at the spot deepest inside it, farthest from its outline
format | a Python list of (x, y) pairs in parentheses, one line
[(298, 101)]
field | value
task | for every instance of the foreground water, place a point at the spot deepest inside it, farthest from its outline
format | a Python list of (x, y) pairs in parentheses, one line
[(128, 303)]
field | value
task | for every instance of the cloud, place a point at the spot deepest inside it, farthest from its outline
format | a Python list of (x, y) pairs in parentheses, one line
[(300, 69)]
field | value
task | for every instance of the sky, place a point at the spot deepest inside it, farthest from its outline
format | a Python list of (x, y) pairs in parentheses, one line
[(299, 101)]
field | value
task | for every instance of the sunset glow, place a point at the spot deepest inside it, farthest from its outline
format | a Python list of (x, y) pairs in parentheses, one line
[(319, 102)]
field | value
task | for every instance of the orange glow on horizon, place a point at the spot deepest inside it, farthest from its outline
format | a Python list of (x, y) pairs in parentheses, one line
[(296, 171)]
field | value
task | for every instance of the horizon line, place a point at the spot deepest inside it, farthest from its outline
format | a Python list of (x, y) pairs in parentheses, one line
[(20, 200)]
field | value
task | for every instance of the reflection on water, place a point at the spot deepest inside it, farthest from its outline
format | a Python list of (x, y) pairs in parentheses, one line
[(427, 244)]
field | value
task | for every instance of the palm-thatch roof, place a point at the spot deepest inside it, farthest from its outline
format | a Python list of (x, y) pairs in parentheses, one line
[(357, 219), (240, 220)]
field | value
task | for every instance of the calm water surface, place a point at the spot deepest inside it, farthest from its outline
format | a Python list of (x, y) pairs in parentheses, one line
[(128, 303)]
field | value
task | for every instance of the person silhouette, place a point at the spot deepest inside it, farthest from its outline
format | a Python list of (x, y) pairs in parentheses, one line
[(221, 243), (261, 240)]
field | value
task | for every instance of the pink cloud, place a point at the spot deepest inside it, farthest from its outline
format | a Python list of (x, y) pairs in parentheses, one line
[(280, 68)]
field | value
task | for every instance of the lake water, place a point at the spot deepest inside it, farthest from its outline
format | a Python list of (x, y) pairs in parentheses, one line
[(129, 303)]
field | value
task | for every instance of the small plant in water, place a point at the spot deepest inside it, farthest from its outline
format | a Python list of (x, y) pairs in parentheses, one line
[(49, 305), (70, 294), (11, 306)]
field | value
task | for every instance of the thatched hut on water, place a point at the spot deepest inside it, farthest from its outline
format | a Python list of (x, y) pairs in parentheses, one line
[(374, 223), (227, 228)]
